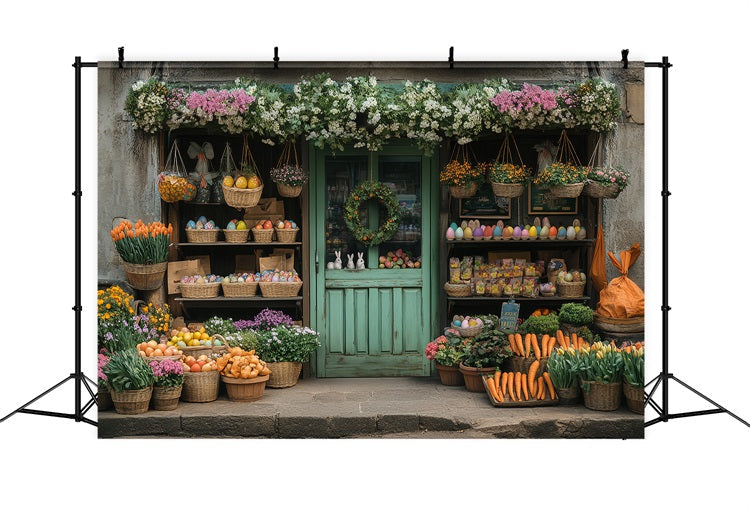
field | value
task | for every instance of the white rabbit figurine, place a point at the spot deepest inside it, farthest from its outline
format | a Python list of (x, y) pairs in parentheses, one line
[(337, 264), (360, 261), (350, 263)]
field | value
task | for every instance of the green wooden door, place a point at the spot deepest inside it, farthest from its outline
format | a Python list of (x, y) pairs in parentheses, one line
[(377, 321)]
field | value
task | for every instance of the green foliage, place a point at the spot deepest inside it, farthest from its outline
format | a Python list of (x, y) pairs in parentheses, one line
[(634, 366), (600, 363), (450, 350), (366, 191), (576, 314), (127, 371), (540, 325), (122, 337), (246, 339), (218, 325), (489, 349), (292, 344), (564, 368), (588, 336)]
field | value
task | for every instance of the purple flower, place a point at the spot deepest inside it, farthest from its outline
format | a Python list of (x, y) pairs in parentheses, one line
[(265, 320)]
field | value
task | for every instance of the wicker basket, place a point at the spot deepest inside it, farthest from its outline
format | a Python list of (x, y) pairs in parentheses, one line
[(145, 277), (131, 402), (288, 191), (202, 236), (619, 325), (148, 359), (246, 289), (245, 390), (546, 294), (286, 235), (508, 189), (280, 289), (602, 397), (199, 350), (457, 290), (599, 191), (200, 290), (103, 399), (236, 236), (200, 386), (263, 235), (242, 197), (569, 396), (634, 397), (166, 399), (571, 290), (469, 332), (464, 192), (571, 190), (284, 374)]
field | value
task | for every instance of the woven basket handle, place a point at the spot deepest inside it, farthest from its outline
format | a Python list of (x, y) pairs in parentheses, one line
[(223, 340), (137, 305)]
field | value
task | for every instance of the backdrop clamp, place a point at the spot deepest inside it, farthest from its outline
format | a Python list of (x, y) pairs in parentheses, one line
[(450, 57), (624, 59), (275, 57), (120, 56)]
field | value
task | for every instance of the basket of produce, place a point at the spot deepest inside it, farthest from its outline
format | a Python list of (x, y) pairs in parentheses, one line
[(286, 231), (467, 327), (200, 287), (516, 389), (172, 182), (263, 232), (244, 190), (279, 289), (457, 290), (153, 351), (201, 379), (233, 286), (618, 325), (571, 289), (205, 235), (244, 374)]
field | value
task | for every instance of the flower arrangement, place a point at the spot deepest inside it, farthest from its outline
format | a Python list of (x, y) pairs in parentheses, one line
[(287, 344), (564, 368), (489, 349), (159, 317), (634, 367), (127, 371), (218, 325), (445, 350), (420, 114), (559, 173), (142, 244), (600, 363), (101, 362), (609, 176), (266, 319), (113, 305), (246, 339), (124, 335), (594, 104), (289, 174), (532, 107), (472, 112), (509, 173), (167, 373), (462, 173), (147, 105), (225, 106), (271, 118)]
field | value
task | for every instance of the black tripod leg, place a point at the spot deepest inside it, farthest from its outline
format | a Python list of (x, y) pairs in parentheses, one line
[(704, 397), (91, 381), (66, 379), (93, 395)]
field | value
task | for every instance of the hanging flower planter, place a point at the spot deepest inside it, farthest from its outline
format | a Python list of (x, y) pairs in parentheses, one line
[(508, 179), (289, 177)]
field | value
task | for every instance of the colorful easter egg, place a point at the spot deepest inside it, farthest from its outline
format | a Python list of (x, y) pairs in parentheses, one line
[(517, 232), (571, 233), (533, 232), (459, 233), (478, 232), (202, 219), (450, 234), (581, 235), (507, 232), (544, 233), (525, 234), (454, 226), (497, 232), (552, 232), (546, 222), (487, 232), (561, 233)]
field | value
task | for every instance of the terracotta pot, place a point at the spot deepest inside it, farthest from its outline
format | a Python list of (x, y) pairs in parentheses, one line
[(634, 397), (449, 375), (473, 377)]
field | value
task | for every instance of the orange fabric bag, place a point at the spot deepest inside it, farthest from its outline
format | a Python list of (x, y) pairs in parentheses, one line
[(598, 270), (622, 298)]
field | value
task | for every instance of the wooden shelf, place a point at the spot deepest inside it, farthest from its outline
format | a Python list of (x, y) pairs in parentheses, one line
[(551, 243), (221, 299), (518, 299), (243, 244), (240, 302)]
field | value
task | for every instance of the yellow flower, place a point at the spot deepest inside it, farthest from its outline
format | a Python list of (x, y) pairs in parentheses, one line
[(100, 302), (108, 306)]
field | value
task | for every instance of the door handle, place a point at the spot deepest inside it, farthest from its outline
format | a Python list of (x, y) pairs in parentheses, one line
[(317, 263)]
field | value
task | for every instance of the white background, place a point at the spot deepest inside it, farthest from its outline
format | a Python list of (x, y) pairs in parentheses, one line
[(686, 464)]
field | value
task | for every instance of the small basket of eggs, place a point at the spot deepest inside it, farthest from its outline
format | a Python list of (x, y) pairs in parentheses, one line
[(286, 231), (467, 326), (202, 231), (200, 287)]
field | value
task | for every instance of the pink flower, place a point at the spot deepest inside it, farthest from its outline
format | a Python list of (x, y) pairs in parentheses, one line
[(430, 350)]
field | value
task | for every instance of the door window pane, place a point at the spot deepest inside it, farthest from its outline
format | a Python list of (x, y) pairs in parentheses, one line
[(343, 173), (402, 174)]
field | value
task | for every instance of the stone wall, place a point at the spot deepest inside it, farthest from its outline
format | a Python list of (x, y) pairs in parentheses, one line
[(128, 161)]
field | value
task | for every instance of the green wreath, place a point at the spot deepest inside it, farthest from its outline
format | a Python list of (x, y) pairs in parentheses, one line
[(360, 195)]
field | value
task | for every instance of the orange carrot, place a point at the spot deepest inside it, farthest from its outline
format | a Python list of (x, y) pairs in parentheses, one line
[(504, 383), (545, 340), (519, 344), (535, 346), (518, 385), (497, 381), (512, 342), (539, 387), (549, 385), (511, 387), (574, 339), (527, 342), (567, 342), (543, 389), (551, 346), (525, 388), (560, 336), (493, 390), (532, 376)]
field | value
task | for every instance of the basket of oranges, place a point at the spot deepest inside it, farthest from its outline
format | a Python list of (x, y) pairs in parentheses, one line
[(242, 192)]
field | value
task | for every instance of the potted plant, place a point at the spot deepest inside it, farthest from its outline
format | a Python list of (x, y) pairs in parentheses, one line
[(289, 177), (540, 325), (605, 182), (601, 367), (509, 180), (573, 317), (103, 398), (284, 349), (633, 376), (564, 370), (483, 355), (168, 379), (563, 179), (130, 382), (463, 178), (144, 249), (447, 353)]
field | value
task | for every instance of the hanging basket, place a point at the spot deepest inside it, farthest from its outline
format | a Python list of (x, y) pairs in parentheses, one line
[(166, 398), (288, 191), (172, 182), (131, 402), (510, 190), (242, 197), (464, 192), (145, 277), (284, 374), (599, 191), (569, 191)]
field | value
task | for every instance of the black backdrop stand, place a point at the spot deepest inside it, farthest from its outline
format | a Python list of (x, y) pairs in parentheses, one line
[(78, 377), (665, 375)]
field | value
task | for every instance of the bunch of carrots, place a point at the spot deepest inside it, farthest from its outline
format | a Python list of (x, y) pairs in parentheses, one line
[(142, 244), (531, 346), (517, 387)]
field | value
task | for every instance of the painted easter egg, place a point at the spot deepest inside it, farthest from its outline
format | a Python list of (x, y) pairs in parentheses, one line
[(478, 232), (454, 226), (571, 233), (552, 232), (581, 235), (517, 232), (450, 234), (497, 232), (459, 233), (561, 233), (533, 232), (544, 233)]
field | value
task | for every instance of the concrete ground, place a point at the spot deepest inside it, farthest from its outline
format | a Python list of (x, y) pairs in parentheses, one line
[(408, 407)]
